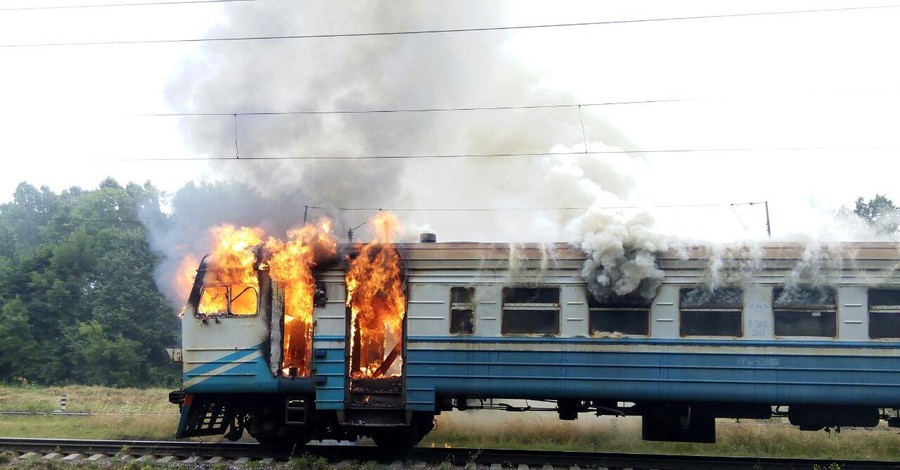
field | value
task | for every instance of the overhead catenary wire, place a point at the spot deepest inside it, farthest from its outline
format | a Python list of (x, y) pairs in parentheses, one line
[(408, 209), (448, 30), (313, 112), (526, 209), (116, 5), (248, 158)]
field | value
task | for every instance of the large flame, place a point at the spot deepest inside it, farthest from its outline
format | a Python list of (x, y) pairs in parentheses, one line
[(291, 267), (231, 266), (377, 301)]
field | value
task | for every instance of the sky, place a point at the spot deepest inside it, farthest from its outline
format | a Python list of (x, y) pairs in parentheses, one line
[(799, 110)]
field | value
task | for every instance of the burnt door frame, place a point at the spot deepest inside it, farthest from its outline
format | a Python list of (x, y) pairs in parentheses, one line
[(349, 402)]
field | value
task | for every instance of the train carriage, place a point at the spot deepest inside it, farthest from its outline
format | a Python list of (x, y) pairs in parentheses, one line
[(811, 332)]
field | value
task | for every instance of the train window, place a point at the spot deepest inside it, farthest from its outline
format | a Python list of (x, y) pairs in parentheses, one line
[(805, 311), (462, 310), (627, 314), (711, 312), (884, 313), (530, 311), (224, 300)]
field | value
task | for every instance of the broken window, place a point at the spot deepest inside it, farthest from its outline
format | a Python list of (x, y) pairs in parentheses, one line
[(805, 311), (462, 310), (236, 299), (627, 314), (530, 311), (884, 313), (706, 312)]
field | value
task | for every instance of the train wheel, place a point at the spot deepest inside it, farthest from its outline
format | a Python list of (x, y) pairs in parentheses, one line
[(406, 437), (282, 442)]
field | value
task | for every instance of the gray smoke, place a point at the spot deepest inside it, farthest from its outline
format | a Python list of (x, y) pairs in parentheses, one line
[(384, 72)]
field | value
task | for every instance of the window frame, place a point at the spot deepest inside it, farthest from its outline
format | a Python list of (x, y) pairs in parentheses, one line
[(228, 292), (710, 308), (881, 309), (461, 307), (806, 308), (616, 308), (556, 308)]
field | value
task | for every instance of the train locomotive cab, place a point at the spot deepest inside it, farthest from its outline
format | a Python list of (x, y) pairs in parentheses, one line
[(248, 358), (288, 364)]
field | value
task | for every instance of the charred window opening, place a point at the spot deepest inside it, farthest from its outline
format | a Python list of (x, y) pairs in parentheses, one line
[(706, 312), (530, 311), (805, 311), (884, 313), (627, 314), (235, 299), (462, 310)]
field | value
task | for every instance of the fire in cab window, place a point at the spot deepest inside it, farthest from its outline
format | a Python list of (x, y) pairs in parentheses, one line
[(530, 311), (239, 300)]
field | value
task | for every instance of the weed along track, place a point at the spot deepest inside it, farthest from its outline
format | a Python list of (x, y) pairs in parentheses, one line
[(110, 453)]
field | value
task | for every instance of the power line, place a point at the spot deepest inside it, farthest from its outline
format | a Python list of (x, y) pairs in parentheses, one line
[(445, 31), (499, 155), (115, 5), (423, 110), (70, 219), (409, 209), (528, 209)]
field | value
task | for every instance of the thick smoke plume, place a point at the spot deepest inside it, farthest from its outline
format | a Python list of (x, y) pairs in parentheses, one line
[(574, 198), (621, 253), (423, 71)]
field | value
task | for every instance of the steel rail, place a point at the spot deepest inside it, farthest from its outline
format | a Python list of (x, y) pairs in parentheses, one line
[(455, 456)]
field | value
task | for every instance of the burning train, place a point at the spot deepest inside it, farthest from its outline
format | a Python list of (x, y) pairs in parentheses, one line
[(308, 339)]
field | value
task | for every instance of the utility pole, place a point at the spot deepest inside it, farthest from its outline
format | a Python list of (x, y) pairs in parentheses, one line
[(305, 212), (768, 225)]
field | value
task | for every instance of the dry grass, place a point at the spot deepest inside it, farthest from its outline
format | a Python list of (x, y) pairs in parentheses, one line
[(132, 414), (748, 438), (90, 427), (122, 413), (85, 398)]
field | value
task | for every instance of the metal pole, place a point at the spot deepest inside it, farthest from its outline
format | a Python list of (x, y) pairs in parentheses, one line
[(305, 212), (768, 225)]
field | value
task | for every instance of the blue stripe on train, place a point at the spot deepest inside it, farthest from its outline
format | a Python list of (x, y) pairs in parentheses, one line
[(759, 378), (743, 343)]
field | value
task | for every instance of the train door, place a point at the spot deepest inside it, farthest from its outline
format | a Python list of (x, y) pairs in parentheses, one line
[(376, 333)]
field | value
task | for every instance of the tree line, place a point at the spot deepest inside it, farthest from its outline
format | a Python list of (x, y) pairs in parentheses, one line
[(78, 303)]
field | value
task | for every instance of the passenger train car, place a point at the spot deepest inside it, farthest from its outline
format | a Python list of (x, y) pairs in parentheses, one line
[(748, 333)]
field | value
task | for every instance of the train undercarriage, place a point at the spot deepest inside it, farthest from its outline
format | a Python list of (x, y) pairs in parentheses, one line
[(290, 421)]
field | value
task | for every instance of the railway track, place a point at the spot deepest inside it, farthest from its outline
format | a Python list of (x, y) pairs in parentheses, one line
[(237, 454)]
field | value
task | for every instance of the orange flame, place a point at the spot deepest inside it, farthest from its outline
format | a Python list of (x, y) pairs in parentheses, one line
[(184, 280), (377, 301), (291, 266), (230, 266)]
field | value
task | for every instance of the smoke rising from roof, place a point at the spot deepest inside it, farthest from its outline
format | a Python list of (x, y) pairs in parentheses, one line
[(392, 72)]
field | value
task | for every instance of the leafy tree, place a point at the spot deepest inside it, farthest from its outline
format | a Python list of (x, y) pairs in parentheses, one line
[(76, 288), (18, 348), (880, 213)]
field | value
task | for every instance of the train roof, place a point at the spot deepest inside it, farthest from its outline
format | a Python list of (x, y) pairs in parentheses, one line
[(763, 250)]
